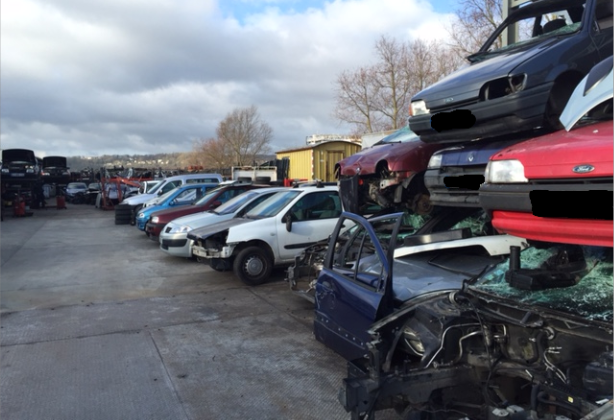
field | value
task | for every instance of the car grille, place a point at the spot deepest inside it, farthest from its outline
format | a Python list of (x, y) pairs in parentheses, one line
[(453, 106)]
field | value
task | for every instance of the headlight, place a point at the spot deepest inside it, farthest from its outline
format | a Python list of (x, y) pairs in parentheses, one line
[(505, 171), (418, 108), (155, 219), (435, 161), (180, 229), (5, 170), (412, 342)]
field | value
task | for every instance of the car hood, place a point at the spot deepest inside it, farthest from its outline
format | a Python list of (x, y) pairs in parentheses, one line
[(465, 84), (556, 155), (474, 153), (18, 155), (205, 232), (138, 199), (409, 156), (54, 162), (168, 214)]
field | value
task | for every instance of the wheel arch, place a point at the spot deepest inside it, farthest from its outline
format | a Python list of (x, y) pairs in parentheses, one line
[(255, 242)]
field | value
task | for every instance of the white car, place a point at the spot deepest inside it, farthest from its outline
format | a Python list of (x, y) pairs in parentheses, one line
[(174, 237), (272, 233)]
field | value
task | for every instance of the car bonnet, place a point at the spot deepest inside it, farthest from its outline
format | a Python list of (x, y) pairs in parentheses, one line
[(205, 232)]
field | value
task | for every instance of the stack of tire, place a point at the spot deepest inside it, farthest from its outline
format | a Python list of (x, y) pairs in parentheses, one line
[(123, 214)]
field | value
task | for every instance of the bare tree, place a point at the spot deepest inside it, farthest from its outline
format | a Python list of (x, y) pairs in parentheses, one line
[(475, 21), (377, 97), (212, 154), (242, 136)]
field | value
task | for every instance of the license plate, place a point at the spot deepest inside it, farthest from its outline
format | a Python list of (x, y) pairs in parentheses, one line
[(18, 175), (200, 252)]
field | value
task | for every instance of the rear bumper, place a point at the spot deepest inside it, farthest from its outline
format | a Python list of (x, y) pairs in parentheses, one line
[(572, 231)]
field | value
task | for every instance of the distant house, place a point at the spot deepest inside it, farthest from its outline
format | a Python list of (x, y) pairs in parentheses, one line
[(317, 160)]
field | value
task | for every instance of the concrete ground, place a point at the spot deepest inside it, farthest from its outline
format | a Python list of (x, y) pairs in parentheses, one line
[(97, 323)]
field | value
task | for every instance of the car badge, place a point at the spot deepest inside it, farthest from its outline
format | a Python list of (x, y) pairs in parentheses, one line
[(448, 100), (583, 169), (470, 158)]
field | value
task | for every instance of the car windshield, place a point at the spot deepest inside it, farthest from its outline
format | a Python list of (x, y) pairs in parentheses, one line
[(235, 203), (77, 185), (273, 205), (404, 135), (590, 291), (210, 196), (533, 24)]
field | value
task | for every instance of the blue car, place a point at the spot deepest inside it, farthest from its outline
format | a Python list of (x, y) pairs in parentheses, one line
[(180, 196), (454, 175)]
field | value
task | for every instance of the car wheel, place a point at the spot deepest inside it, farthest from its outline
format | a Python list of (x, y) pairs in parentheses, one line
[(253, 265)]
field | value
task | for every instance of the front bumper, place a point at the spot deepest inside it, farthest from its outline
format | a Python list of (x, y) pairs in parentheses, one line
[(176, 244), (510, 114), (199, 251), (455, 186), (571, 231), (559, 196), (153, 230)]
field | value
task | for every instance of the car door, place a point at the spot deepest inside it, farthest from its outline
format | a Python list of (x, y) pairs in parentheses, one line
[(314, 216), (354, 288)]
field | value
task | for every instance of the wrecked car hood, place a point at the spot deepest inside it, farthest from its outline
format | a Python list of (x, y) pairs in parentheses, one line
[(207, 231)]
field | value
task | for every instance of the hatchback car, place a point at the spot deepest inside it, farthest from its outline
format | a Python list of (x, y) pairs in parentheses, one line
[(212, 199), (174, 237), (387, 175), (521, 86), (55, 170), (75, 188), (271, 234), (533, 187), (180, 196)]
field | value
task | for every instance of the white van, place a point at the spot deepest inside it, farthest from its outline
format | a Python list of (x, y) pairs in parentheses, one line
[(169, 183)]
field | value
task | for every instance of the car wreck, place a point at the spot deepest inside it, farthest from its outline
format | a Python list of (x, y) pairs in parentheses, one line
[(387, 176), (530, 339)]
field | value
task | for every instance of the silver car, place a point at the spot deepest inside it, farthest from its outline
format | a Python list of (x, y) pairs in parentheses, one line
[(174, 237)]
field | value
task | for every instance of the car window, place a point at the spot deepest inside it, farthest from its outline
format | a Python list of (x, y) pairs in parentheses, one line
[(318, 205), (534, 24), (273, 205), (170, 186), (356, 259)]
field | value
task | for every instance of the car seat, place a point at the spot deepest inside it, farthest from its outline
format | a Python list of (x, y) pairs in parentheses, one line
[(330, 209), (553, 25), (603, 14)]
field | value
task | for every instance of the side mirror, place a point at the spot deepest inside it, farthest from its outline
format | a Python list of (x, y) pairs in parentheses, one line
[(288, 220)]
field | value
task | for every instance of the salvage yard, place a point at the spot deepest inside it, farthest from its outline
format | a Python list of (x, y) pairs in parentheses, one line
[(98, 323)]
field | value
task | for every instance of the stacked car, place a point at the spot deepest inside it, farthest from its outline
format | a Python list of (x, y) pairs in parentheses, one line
[(528, 336)]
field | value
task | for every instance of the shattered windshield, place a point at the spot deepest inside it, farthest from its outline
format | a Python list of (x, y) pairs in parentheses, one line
[(591, 296), (533, 25)]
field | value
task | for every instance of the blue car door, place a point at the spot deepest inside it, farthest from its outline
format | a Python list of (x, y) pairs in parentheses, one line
[(354, 288)]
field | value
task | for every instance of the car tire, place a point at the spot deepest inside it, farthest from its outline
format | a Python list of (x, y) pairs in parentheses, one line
[(253, 265)]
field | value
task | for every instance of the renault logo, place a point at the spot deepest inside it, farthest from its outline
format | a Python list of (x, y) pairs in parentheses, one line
[(583, 169)]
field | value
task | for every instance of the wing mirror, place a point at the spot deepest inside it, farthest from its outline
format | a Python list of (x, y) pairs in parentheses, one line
[(288, 220)]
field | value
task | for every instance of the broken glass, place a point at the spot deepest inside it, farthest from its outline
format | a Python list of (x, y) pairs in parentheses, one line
[(591, 297)]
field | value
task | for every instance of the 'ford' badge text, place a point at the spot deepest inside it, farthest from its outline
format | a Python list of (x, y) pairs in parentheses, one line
[(448, 100), (583, 169)]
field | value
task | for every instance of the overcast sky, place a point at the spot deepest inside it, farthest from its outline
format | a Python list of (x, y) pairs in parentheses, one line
[(151, 76)]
